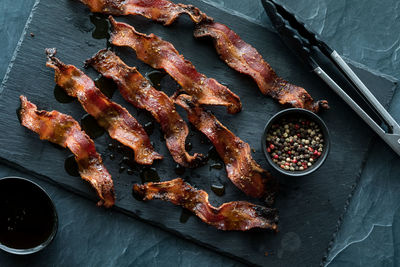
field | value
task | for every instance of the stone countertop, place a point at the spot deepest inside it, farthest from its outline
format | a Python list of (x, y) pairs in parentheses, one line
[(364, 32)]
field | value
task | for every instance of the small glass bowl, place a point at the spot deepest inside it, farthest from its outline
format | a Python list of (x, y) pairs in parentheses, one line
[(13, 184)]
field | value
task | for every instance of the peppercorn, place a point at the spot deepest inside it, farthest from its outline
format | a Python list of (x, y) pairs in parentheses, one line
[(295, 144)]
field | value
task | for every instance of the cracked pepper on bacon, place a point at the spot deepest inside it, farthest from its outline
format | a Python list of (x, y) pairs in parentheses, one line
[(138, 91), (241, 168), (119, 123), (162, 55), (235, 215), (235, 52), (162, 11), (245, 59), (63, 130)]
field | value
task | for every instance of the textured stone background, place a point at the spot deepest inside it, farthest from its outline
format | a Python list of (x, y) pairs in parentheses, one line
[(363, 31)]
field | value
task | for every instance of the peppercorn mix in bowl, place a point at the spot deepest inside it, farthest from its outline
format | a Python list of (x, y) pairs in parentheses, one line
[(295, 142)]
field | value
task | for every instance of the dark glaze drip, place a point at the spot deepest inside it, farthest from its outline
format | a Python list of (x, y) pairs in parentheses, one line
[(188, 146), (149, 175), (149, 127), (101, 26), (126, 153), (90, 126), (185, 215), (217, 166), (111, 146), (155, 78), (127, 163), (204, 140), (213, 154), (179, 170), (106, 86), (125, 159), (27, 216), (61, 96), (219, 190), (71, 167), (121, 169), (193, 129)]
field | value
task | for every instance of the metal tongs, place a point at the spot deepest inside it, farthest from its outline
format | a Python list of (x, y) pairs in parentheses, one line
[(302, 41)]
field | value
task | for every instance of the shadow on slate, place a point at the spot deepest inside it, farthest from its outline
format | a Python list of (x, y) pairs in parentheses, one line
[(309, 206)]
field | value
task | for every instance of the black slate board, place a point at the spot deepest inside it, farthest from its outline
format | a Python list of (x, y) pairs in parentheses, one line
[(309, 207)]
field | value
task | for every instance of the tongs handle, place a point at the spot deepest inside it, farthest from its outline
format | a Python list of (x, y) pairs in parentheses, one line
[(393, 140), (394, 127)]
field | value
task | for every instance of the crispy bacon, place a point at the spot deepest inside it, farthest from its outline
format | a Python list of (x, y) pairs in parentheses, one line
[(138, 91), (116, 119), (241, 168), (63, 130), (244, 58), (235, 215), (162, 55), (238, 54), (162, 11)]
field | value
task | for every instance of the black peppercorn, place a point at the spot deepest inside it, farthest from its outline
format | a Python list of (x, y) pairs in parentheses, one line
[(295, 144)]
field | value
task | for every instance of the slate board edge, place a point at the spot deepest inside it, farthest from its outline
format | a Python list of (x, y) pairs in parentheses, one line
[(129, 213), (370, 146), (21, 39)]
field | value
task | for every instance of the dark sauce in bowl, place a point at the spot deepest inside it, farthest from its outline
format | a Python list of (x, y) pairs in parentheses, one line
[(28, 220)]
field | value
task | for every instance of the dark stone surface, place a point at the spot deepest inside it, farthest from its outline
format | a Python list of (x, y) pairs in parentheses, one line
[(207, 256), (88, 237), (13, 15)]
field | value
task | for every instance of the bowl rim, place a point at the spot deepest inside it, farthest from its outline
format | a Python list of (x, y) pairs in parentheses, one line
[(315, 118), (51, 237)]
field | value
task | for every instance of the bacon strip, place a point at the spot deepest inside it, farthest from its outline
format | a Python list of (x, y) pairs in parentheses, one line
[(162, 55), (238, 54), (138, 91), (162, 11), (116, 119), (245, 59), (235, 215), (63, 130), (241, 168)]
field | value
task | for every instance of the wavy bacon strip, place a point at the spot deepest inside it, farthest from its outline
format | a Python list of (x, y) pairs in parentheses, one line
[(138, 91), (235, 215), (63, 130), (245, 59), (162, 55), (238, 54), (119, 123), (241, 168), (162, 11)]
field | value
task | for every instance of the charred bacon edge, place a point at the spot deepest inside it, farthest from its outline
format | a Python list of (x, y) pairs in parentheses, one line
[(137, 90), (113, 116), (63, 130), (235, 215)]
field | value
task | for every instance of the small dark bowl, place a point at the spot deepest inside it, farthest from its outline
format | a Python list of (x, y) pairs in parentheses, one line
[(29, 220), (293, 112)]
